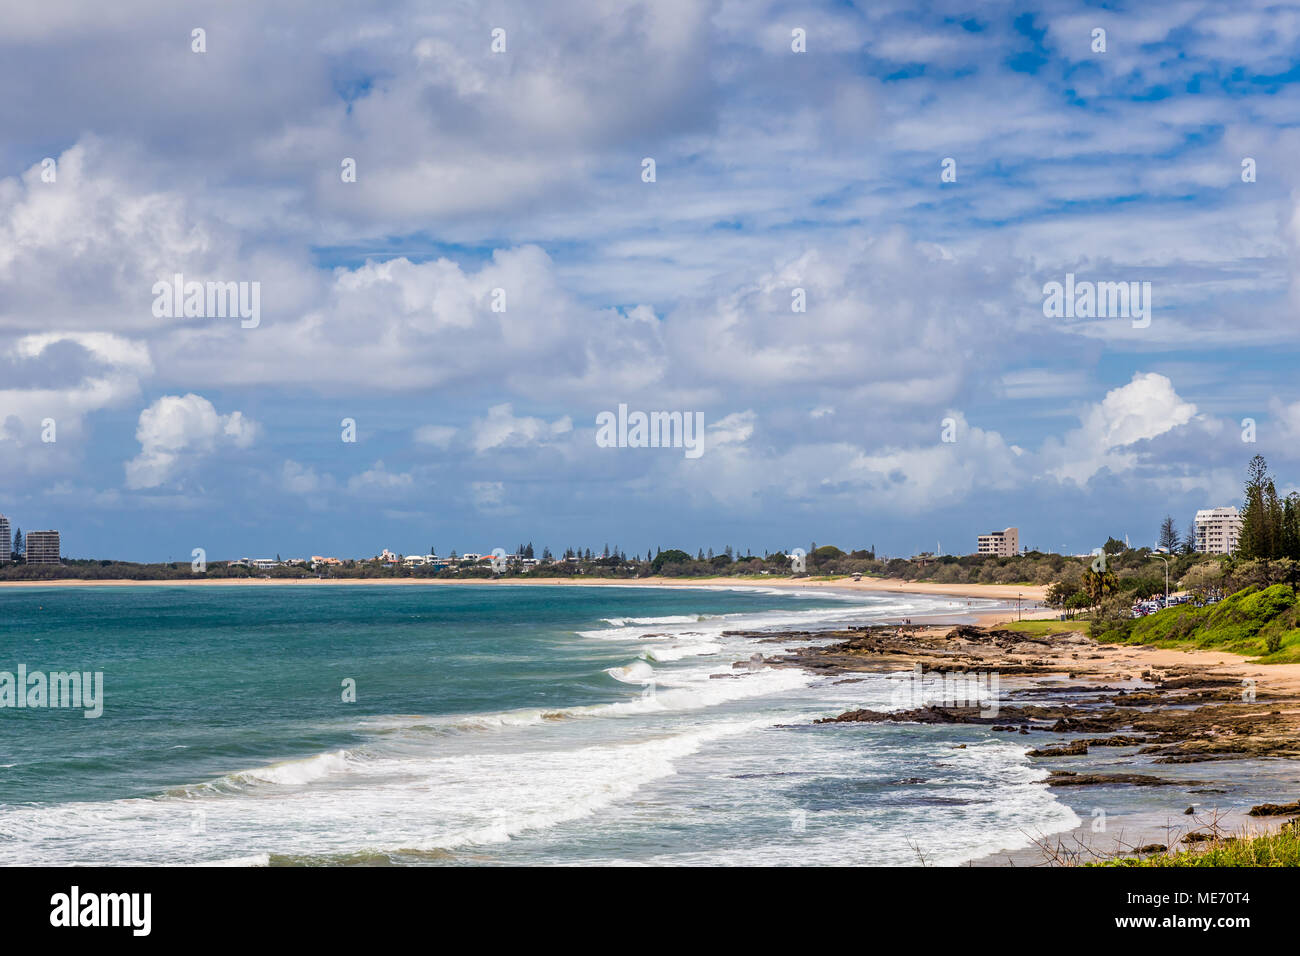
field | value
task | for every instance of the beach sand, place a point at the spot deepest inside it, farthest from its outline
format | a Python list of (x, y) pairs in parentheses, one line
[(1028, 592)]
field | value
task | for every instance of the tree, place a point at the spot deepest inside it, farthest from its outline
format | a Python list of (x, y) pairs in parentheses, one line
[(1059, 593), (19, 548), (1077, 601), (827, 552), (669, 557), (1189, 539), (1262, 518), (1099, 585), (1168, 534), (1291, 526), (1203, 580), (1114, 546)]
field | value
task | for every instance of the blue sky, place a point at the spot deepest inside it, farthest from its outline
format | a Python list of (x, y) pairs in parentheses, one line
[(522, 170)]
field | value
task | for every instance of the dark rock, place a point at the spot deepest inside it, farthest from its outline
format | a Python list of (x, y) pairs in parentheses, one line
[(1077, 748), (1275, 809), (1068, 778)]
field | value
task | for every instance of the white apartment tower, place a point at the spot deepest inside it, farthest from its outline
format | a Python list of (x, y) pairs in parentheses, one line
[(1217, 530), (5, 540), (1003, 544)]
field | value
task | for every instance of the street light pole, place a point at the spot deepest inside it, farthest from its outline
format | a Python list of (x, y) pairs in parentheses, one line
[(1166, 561)]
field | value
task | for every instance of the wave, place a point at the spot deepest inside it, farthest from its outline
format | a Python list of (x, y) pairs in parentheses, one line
[(679, 651), (380, 805), (646, 621), (638, 672), (702, 627)]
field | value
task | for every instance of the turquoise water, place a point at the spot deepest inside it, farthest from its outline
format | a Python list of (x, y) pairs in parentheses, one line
[(491, 725)]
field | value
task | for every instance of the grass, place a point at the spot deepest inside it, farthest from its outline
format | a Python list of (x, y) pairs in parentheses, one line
[(1043, 628), (1273, 849), (1262, 623)]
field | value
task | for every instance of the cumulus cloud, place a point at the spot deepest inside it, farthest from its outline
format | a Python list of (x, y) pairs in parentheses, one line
[(65, 376), (502, 429), (1143, 409), (302, 479), (519, 174), (177, 432)]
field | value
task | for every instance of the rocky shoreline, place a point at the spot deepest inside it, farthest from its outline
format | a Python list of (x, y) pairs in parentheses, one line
[(1071, 696)]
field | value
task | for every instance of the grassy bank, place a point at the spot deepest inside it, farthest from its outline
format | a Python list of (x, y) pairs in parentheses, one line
[(1272, 849), (1260, 622), (1044, 628)]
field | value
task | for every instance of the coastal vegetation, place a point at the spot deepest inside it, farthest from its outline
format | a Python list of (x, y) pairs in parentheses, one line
[(1271, 849), (1263, 622)]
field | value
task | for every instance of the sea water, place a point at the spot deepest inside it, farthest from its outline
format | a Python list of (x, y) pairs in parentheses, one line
[(460, 725)]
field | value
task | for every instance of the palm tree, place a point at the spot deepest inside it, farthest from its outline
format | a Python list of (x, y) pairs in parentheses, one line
[(1099, 585)]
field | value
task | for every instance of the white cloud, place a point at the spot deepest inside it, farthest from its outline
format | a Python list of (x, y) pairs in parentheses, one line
[(302, 479), (439, 436), (176, 432), (501, 429), (1143, 409), (735, 429), (488, 496), (64, 377), (378, 478)]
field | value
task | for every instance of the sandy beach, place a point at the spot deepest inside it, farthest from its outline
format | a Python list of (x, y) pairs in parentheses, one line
[(1027, 592)]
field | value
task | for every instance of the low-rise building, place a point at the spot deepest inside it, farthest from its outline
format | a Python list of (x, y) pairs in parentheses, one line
[(1002, 544), (1217, 530)]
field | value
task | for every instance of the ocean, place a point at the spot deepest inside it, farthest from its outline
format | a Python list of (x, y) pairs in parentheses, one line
[(491, 725)]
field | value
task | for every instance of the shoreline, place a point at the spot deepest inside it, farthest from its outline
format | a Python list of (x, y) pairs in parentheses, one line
[(1047, 681), (1029, 593), (1144, 734)]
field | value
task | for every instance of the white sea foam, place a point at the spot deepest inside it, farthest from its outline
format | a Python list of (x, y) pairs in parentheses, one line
[(638, 672), (381, 804), (453, 782), (678, 651)]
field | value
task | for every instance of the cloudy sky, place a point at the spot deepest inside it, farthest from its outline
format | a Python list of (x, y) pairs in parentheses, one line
[(128, 157)]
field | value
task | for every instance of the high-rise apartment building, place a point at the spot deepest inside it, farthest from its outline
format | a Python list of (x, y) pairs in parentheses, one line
[(1217, 530), (5, 540), (42, 547)]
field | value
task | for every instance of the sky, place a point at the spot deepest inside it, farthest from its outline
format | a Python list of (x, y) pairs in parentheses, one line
[(503, 269)]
